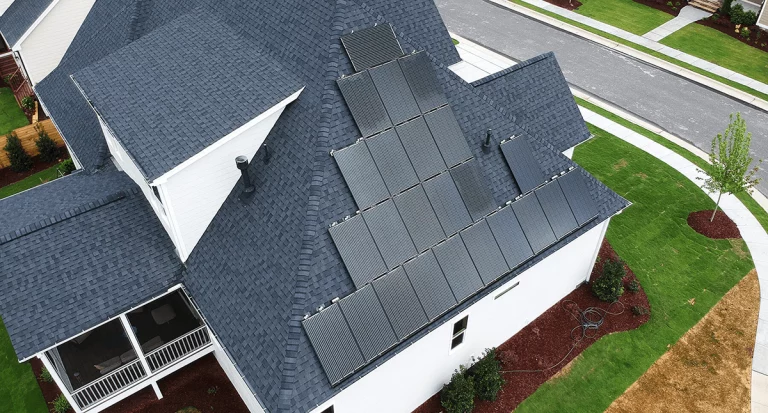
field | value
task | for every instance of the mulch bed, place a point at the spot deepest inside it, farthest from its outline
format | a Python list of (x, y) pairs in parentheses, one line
[(566, 4), (724, 25), (722, 227), (662, 5), (50, 390), (7, 176), (545, 341)]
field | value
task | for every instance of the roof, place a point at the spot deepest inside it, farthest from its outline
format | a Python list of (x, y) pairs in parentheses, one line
[(19, 17), (537, 97), (182, 87)]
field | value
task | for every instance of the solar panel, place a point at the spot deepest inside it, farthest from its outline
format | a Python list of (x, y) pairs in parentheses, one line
[(357, 250), (484, 251), (371, 46), (447, 203), (534, 223), (421, 148), (430, 285), (458, 267), (448, 136), (510, 237), (400, 303), (368, 322), (394, 92), (556, 209), (364, 103), (574, 187), (524, 166), (419, 218), (474, 189), (421, 78), (388, 230), (333, 343), (392, 161), (361, 175)]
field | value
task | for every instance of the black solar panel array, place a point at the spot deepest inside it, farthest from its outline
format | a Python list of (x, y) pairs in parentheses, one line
[(392, 161), (446, 200), (421, 148), (358, 250), (364, 103), (389, 233), (362, 176), (576, 192), (525, 168), (371, 46), (556, 209), (476, 194), (395, 93), (534, 223), (448, 136), (421, 78)]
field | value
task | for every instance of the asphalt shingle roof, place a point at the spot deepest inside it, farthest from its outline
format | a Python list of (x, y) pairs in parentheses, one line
[(18, 18)]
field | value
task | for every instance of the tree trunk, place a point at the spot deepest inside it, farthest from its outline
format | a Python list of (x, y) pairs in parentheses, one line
[(716, 205)]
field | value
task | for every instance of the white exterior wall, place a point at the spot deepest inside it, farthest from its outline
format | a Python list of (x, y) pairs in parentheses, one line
[(409, 378), (234, 376), (569, 152), (44, 45)]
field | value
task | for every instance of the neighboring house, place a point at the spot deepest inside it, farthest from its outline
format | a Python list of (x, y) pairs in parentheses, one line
[(762, 16), (367, 242)]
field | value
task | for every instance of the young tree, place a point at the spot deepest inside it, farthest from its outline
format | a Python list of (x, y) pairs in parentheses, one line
[(730, 172), (20, 159)]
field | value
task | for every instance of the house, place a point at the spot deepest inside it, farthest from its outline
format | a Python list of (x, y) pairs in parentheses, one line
[(304, 190)]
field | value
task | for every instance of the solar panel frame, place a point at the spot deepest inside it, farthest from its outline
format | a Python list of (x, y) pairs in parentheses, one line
[(371, 46), (420, 74), (421, 148), (430, 285), (485, 253), (556, 209), (510, 237), (534, 223), (368, 322), (447, 203), (419, 218), (358, 250), (364, 103), (525, 169), (448, 135), (389, 233), (577, 193), (400, 303), (361, 175), (474, 189), (458, 268), (333, 343), (394, 92), (392, 161)]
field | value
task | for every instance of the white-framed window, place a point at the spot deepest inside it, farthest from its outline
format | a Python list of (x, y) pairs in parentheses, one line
[(459, 328)]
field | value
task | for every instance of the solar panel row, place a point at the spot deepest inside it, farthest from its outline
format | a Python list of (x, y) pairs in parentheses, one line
[(371, 46), (525, 168)]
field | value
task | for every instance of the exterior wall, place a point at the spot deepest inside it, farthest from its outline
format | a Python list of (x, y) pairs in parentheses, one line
[(762, 19), (45, 44), (569, 152), (420, 371), (235, 377)]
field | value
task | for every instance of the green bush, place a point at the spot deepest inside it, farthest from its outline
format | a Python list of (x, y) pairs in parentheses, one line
[(633, 286), (28, 102), (744, 32), (715, 16), (8, 79), (640, 310), (49, 152), (67, 167), (458, 396), (726, 7), (61, 404), (45, 375), (749, 18), (486, 374), (20, 159), (670, 4), (609, 286)]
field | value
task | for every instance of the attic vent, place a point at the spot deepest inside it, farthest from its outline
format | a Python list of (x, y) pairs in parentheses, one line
[(242, 164)]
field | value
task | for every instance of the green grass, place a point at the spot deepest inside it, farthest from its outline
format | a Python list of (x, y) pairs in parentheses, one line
[(645, 50), (19, 391), (672, 261), (719, 48), (629, 15), (29, 182), (745, 198), (11, 115)]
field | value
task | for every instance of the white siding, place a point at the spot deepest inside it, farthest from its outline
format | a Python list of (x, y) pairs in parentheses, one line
[(234, 376), (43, 47), (569, 152), (420, 371)]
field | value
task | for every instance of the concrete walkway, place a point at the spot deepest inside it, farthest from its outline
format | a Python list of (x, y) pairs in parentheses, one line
[(687, 15)]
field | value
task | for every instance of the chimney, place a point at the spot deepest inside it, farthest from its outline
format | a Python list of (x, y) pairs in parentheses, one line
[(242, 164)]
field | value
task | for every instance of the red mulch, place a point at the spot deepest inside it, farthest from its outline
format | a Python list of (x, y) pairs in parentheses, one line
[(722, 227), (662, 5), (7, 176), (566, 4), (191, 386), (546, 340), (724, 25), (50, 390)]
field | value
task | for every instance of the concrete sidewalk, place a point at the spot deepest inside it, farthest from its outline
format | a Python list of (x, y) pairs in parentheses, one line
[(687, 15)]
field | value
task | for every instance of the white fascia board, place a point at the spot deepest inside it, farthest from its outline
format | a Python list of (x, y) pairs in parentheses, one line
[(164, 178), (17, 46)]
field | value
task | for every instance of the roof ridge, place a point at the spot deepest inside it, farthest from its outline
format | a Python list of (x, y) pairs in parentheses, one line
[(65, 215), (513, 68)]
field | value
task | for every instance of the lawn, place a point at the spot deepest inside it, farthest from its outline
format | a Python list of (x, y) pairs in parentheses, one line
[(625, 14), (716, 47), (684, 274), (30, 182), (11, 115), (19, 391)]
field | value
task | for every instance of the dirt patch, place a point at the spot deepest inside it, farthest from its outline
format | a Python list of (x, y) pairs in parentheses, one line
[(709, 369), (720, 228), (566, 4), (737, 246), (621, 164), (545, 342), (641, 176)]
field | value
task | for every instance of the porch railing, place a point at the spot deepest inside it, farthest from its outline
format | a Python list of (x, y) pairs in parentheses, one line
[(109, 384), (177, 349)]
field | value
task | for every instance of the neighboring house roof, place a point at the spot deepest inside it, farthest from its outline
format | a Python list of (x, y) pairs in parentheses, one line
[(182, 87), (537, 96), (19, 18)]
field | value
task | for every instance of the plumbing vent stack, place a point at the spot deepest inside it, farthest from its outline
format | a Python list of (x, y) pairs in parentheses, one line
[(242, 164)]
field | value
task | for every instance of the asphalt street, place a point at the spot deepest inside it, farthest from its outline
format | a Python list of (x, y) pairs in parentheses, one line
[(682, 107)]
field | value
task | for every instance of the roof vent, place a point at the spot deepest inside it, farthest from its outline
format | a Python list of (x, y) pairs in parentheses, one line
[(242, 164), (487, 143)]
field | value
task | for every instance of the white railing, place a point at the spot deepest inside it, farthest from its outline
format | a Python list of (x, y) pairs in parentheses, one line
[(176, 349), (109, 384)]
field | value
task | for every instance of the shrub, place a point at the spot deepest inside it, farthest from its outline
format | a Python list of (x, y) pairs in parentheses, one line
[(49, 152), (60, 404), (458, 396), (8, 79), (745, 33), (45, 375), (633, 286), (28, 103), (609, 286), (669, 3), (737, 14), (677, 4), (726, 7), (715, 17), (640, 310), (67, 167), (20, 160), (749, 18), (486, 374)]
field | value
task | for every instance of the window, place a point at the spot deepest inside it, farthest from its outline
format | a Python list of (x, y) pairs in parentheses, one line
[(458, 332), (328, 410)]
